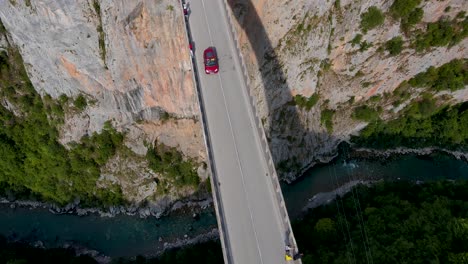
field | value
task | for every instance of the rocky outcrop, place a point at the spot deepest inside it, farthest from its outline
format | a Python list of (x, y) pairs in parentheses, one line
[(305, 48), (129, 59)]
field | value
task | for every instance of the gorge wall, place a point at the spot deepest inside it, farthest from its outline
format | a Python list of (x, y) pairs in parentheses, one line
[(129, 59), (309, 68), (310, 64)]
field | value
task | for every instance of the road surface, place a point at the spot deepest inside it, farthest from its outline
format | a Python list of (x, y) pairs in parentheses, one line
[(253, 227)]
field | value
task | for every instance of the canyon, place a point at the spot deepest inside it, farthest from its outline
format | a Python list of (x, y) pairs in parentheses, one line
[(130, 60)]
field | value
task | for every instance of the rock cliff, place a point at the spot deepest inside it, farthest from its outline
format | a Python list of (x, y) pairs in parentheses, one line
[(310, 63), (129, 59), (140, 70), (317, 52)]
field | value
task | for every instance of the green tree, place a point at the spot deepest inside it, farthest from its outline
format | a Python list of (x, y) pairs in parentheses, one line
[(365, 113), (372, 18), (412, 19), (326, 118), (403, 8), (80, 102), (394, 46)]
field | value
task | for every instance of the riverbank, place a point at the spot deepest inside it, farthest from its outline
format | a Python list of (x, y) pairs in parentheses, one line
[(327, 197), (116, 234), (157, 210), (379, 154)]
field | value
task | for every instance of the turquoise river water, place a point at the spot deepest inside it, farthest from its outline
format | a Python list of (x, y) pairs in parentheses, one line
[(129, 236)]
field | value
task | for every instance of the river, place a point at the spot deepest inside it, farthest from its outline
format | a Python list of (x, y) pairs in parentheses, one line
[(129, 236)]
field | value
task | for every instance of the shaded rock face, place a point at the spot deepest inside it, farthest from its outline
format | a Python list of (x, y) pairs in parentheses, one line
[(301, 47), (139, 70)]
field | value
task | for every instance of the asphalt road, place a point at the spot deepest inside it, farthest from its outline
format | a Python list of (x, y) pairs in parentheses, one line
[(254, 228)]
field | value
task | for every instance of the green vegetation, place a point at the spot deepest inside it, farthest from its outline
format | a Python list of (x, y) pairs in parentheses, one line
[(365, 113), (422, 124), (304, 102), (102, 42), (170, 7), (80, 102), (414, 17), (170, 162), (403, 222), (403, 8), (366, 84), (337, 5), (394, 46), (407, 12), (326, 118), (364, 46), (33, 161), (450, 76), (356, 40), (371, 19), (442, 33)]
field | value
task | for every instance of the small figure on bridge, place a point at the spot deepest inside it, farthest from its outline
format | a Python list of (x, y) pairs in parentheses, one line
[(288, 255), (186, 11), (191, 48)]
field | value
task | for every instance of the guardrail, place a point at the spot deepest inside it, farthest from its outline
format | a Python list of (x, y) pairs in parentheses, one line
[(220, 216), (263, 139)]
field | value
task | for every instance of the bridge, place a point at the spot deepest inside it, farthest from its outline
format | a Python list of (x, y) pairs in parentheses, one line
[(252, 218)]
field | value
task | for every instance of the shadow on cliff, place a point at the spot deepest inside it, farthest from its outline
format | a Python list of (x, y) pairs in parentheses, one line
[(275, 83)]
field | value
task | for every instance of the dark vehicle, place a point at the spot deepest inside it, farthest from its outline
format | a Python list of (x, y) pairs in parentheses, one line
[(211, 60)]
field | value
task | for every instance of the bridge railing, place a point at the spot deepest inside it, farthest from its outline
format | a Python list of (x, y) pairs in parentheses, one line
[(220, 216), (273, 176)]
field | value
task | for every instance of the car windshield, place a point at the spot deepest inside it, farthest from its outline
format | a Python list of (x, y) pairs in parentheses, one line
[(210, 59), (211, 62)]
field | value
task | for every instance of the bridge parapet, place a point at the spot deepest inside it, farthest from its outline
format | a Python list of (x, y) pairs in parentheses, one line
[(272, 175)]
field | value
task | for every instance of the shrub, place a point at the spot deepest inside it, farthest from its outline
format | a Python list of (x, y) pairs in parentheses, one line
[(403, 8), (80, 102), (33, 161), (326, 118), (413, 18), (394, 46), (365, 113), (305, 102), (450, 76), (356, 40), (170, 163), (442, 33), (365, 46), (372, 18)]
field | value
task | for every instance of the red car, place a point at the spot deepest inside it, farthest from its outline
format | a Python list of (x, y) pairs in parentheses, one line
[(211, 60)]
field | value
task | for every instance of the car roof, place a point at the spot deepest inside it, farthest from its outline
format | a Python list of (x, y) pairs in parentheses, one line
[(210, 52)]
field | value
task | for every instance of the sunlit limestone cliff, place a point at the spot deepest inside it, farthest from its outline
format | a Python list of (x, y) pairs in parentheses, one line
[(313, 63), (129, 60)]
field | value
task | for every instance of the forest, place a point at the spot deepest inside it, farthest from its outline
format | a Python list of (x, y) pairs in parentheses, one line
[(390, 222), (423, 122), (34, 164)]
